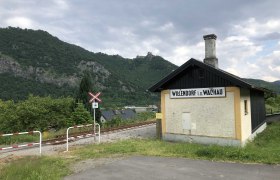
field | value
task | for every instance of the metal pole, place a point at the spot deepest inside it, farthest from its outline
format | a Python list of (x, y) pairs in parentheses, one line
[(98, 133), (94, 130), (67, 137), (40, 142)]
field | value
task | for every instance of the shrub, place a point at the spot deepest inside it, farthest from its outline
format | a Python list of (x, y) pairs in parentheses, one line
[(35, 113), (81, 115)]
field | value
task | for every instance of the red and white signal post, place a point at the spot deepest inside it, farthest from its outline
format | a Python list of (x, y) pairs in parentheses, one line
[(93, 99)]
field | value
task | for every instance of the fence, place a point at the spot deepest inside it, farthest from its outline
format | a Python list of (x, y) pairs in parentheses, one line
[(80, 126), (24, 145)]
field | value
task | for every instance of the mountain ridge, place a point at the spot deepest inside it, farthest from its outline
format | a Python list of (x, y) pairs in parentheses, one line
[(36, 58), (264, 84), (39, 57)]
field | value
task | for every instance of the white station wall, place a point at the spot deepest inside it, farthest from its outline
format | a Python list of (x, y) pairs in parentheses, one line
[(246, 129), (201, 116)]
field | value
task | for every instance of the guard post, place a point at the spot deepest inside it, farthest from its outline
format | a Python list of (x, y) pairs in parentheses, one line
[(158, 125)]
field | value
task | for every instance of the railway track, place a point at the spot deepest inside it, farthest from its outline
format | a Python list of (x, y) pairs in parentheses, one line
[(61, 139)]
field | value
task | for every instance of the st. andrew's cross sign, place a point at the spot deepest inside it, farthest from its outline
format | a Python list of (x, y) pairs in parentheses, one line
[(94, 97), (92, 100)]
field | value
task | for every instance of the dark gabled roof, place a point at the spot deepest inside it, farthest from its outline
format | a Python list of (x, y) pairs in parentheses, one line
[(108, 115), (237, 81), (128, 114)]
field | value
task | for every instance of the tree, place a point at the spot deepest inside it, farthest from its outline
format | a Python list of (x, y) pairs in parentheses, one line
[(86, 86), (81, 115)]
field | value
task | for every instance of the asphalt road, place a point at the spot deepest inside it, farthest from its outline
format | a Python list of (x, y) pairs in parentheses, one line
[(146, 168)]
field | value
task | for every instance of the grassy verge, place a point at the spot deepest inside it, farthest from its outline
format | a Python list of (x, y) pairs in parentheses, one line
[(34, 168), (140, 117), (271, 109), (264, 149), (8, 140)]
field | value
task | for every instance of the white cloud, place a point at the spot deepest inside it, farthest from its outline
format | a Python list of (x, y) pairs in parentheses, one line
[(253, 28), (61, 4), (21, 22), (146, 23), (242, 55), (270, 78), (109, 51), (233, 71), (166, 27), (181, 54), (270, 66)]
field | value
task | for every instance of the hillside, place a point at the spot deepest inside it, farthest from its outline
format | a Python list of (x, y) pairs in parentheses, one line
[(277, 82), (273, 86), (35, 62)]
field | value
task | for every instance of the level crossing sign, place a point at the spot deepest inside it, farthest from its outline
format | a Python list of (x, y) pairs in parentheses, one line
[(95, 97)]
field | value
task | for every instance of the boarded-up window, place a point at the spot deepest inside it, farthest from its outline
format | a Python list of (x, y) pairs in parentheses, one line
[(186, 121)]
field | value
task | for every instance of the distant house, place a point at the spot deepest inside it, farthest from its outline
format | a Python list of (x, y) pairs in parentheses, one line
[(128, 114), (111, 114), (107, 115)]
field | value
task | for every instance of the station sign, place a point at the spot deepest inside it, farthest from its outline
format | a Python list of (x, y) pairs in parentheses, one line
[(198, 92)]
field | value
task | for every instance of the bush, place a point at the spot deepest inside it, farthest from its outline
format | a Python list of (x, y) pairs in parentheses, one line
[(35, 113), (145, 116), (116, 121), (80, 115)]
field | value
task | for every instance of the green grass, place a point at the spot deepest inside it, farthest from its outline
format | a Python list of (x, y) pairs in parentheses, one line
[(185, 150), (8, 140), (35, 168), (271, 109), (140, 117), (264, 149)]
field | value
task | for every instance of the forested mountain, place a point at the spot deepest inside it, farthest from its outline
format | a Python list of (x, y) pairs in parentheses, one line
[(273, 86), (35, 62), (277, 82)]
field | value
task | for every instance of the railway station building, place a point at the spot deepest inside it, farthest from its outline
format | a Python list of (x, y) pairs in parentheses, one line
[(203, 104)]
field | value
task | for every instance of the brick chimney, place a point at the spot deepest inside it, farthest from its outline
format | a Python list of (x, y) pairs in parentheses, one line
[(210, 50)]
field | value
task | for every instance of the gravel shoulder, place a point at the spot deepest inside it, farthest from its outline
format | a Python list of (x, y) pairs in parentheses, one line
[(88, 164)]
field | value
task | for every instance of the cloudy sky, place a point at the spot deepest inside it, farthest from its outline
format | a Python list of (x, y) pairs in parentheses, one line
[(248, 43)]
